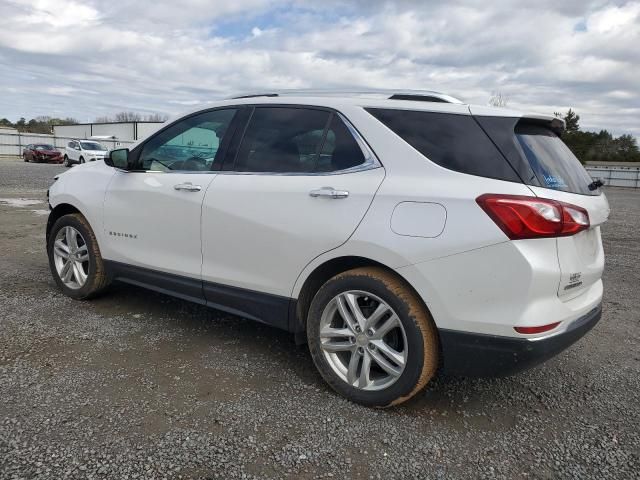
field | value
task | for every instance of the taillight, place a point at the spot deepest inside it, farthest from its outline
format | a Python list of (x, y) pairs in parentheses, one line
[(522, 217)]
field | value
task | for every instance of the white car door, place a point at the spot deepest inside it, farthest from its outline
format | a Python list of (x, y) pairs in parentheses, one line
[(298, 186), (152, 215)]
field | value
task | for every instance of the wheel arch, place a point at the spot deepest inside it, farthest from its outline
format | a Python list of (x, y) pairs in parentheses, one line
[(320, 275), (59, 211)]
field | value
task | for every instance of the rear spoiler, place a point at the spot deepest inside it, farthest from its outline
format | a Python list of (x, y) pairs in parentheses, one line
[(548, 121), (554, 123)]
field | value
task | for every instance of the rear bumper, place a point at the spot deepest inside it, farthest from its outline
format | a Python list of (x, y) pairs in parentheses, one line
[(478, 355)]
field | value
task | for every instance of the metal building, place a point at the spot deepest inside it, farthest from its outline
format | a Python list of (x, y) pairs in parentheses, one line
[(121, 131)]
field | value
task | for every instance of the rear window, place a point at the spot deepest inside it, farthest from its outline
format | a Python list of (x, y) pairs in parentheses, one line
[(553, 163), (452, 141)]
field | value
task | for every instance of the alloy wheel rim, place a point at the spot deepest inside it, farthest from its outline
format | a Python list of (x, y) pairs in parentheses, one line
[(363, 340), (71, 257)]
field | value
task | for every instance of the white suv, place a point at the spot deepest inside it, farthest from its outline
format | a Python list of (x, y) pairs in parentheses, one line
[(396, 234), (81, 151)]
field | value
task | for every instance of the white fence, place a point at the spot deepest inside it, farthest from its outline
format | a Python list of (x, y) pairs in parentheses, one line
[(616, 176), (14, 143)]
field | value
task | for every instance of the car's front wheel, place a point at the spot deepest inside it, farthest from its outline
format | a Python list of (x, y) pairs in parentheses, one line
[(74, 258), (372, 338)]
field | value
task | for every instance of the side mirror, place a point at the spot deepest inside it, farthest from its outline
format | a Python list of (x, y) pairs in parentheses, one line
[(118, 158)]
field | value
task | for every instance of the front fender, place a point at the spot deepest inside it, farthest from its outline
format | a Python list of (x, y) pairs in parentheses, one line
[(82, 189)]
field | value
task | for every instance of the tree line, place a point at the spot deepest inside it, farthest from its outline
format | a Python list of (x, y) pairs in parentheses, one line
[(599, 146), (45, 124), (42, 124)]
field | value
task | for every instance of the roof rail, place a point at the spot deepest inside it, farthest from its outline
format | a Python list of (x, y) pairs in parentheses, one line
[(411, 95)]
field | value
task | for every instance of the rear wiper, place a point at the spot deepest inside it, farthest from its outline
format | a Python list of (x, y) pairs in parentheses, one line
[(595, 184)]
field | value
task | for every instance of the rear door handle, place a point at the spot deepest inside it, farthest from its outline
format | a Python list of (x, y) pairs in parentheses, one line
[(187, 187), (329, 192)]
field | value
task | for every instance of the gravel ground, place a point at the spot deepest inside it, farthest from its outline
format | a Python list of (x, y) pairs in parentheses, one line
[(139, 385)]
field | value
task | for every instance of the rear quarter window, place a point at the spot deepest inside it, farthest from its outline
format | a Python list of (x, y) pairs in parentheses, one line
[(452, 141)]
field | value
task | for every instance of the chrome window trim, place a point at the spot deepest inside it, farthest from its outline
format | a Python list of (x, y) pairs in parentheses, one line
[(371, 160), (190, 172), (306, 174)]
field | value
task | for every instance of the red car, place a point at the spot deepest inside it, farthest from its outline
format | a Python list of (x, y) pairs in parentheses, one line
[(41, 152)]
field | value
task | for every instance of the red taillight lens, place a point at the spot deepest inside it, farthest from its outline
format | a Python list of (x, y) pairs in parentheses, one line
[(540, 329), (522, 217)]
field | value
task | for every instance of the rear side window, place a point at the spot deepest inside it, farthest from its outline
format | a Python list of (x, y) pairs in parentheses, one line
[(554, 165), (452, 141), (282, 140), (340, 150), (297, 140)]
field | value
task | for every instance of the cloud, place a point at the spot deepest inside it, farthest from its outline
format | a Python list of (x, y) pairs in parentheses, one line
[(95, 58)]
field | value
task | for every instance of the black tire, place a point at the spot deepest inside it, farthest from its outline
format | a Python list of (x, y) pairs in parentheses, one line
[(25, 158), (65, 161), (421, 333), (97, 280), (81, 161)]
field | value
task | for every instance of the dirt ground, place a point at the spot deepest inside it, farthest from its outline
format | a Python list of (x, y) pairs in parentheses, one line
[(139, 385)]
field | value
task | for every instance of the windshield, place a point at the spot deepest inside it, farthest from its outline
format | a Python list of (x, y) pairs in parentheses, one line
[(44, 147), (554, 165), (92, 146)]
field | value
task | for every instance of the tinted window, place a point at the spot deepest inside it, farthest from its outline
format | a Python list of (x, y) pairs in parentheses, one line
[(279, 139), (340, 150), (553, 163), (191, 144), (452, 141), (92, 146)]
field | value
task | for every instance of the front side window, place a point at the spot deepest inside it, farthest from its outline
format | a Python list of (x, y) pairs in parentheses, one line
[(192, 144), (296, 140)]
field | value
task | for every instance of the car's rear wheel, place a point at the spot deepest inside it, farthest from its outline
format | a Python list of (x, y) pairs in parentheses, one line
[(372, 338), (74, 258)]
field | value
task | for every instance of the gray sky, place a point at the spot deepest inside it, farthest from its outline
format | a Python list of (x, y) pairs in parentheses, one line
[(95, 58)]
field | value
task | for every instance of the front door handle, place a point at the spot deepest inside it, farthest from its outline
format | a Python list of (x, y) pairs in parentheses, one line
[(187, 187), (329, 192)]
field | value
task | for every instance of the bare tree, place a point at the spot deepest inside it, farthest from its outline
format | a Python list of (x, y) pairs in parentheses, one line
[(127, 117), (132, 117), (156, 117), (498, 99)]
